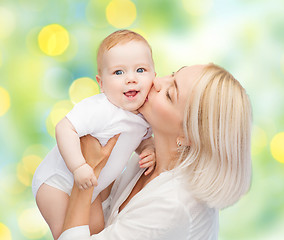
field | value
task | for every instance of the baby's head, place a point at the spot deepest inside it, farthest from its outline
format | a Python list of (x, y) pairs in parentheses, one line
[(125, 69)]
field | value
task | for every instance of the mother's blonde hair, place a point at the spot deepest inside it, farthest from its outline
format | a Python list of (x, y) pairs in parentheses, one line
[(217, 124)]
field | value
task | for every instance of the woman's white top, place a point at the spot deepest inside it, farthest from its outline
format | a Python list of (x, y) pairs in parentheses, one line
[(163, 210), (100, 118)]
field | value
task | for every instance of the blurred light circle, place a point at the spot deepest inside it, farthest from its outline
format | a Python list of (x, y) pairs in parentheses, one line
[(7, 23), (24, 176), (197, 8), (4, 101), (31, 162), (58, 112), (32, 224), (121, 13), (53, 40), (277, 147), (83, 88), (5, 233), (56, 82)]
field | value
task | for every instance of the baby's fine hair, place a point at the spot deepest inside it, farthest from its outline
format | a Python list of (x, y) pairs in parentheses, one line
[(118, 37)]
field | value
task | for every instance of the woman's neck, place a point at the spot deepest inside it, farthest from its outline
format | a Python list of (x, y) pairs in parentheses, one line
[(166, 152)]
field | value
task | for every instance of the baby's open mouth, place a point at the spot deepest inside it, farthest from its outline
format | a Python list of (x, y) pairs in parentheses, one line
[(131, 93)]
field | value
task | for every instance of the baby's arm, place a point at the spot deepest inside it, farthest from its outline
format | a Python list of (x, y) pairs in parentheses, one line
[(68, 143), (146, 151)]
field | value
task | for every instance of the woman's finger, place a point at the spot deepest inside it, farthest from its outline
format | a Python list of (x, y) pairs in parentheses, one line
[(110, 144)]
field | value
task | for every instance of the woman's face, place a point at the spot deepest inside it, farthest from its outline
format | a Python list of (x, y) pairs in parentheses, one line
[(164, 108)]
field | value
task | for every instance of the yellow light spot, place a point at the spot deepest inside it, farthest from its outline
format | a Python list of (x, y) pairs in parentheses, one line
[(24, 176), (121, 13), (31, 162), (58, 111), (53, 40), (7, 23), (259, 140), (32, 224), (83, 88), (5, 233), (277, 147), (197, 8), (4, 101)]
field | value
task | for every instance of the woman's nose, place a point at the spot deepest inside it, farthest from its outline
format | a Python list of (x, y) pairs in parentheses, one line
[(160, 82)]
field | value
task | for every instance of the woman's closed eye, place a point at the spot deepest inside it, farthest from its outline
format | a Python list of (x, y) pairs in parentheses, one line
[(168, 94), (118, 72)]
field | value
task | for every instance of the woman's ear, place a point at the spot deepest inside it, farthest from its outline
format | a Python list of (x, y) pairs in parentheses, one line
[(99, 80)]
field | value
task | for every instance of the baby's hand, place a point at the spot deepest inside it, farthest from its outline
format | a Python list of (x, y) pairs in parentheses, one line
[(148, 159), (84, 177)]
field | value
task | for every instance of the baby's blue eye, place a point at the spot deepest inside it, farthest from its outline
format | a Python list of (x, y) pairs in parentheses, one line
[(118, 72), (140, 70)]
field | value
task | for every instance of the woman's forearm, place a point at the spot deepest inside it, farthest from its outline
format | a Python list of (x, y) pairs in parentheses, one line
[(78, 210)]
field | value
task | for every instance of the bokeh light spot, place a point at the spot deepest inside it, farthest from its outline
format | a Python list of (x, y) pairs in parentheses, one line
[(277, 147), (259, 140), (24, 176), (31, 162), (58, 111), (7, 23), (4, 101), (32, 224), (53, 40), (5, 233), (197, 8), (83, 88), (121, 13)]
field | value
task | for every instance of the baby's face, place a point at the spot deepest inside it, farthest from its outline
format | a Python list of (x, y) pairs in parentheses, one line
[(127, 74)]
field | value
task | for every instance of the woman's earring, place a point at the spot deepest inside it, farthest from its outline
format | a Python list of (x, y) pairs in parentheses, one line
[(178, 143)]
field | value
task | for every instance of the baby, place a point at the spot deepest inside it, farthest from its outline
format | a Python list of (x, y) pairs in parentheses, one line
[(125, 75)]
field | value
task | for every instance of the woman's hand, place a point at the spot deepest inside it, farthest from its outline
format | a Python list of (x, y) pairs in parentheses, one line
[(96, 155)]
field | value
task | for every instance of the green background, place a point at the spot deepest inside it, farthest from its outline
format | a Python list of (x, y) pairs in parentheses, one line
[(244, 36)]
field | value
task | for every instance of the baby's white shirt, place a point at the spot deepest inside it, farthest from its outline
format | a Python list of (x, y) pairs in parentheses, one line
[(100, 118)]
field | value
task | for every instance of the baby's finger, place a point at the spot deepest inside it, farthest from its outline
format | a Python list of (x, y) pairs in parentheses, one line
[(85, 186), (89, 183), (94, 181), (148, 164), (150, 169), (146, 159), (145, 153)]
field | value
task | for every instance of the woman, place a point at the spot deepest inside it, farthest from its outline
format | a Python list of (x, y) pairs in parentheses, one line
[(201, 120)]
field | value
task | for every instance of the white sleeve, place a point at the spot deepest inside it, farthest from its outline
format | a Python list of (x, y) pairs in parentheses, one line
[(88, 116)]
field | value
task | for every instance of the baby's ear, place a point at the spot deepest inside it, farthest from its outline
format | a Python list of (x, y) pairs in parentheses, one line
[(99, 80)]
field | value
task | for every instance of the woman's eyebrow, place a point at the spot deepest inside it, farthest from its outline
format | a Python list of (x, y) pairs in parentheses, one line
[(181, 68)]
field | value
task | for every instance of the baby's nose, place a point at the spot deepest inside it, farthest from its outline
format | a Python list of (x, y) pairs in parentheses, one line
[(130, 78)]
